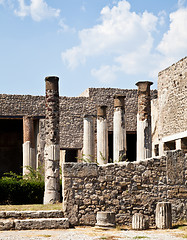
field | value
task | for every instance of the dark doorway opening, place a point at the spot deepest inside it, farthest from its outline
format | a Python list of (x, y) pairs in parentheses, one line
[(131, 146), (110, 147), (11, 140), (71, 155)]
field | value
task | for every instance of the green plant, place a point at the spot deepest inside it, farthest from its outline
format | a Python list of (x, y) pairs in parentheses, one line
[(37, 175), (16, 189)]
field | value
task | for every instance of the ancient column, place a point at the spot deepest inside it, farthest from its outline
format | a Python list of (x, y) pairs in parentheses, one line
[(52, 148), (139, 222), (29, 159), (102, 135), (119, 129), (89, 138), (163, 217), (144, 139)]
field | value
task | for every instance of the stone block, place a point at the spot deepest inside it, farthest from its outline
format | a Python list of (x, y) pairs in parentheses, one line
[(48, 223), (105, 219), (6, 224), (80, 170)]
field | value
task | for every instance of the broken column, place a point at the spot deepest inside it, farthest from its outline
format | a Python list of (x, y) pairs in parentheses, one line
[(102, 135), (52, 147), (89, 138), (144, 139), (119, 129), (140, 222), (163, 215), (29, 159), (106, 219)]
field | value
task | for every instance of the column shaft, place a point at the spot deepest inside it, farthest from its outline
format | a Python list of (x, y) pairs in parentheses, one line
[(52, 147), (119, 130), (102, 136), (29, 158), (89, 139), (144, 139)]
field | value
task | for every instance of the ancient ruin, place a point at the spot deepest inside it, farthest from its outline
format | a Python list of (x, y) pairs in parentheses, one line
[(139, 137)]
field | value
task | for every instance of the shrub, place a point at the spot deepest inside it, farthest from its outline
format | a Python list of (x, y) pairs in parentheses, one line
[(14, 189)]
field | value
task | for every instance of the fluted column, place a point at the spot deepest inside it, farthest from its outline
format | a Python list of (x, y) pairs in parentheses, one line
[(119, 129), (89, 138), (52, 148), (102, 135), (144, 139)]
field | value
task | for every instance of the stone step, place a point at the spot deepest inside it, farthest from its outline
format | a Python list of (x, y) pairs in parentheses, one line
[(31, 214), (38, 223)]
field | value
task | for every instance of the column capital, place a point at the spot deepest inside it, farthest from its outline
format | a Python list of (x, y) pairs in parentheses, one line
[(119, 100), (52, 83), (101, 111), (144, 85)]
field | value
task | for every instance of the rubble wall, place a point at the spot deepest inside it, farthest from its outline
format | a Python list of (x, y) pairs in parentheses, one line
[(72, 110), (125, 188), (172, 95)]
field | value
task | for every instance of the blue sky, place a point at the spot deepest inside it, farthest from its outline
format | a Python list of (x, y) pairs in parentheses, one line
[(100, 43)]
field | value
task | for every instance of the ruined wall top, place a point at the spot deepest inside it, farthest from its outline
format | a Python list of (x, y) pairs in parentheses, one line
[(172, 95)]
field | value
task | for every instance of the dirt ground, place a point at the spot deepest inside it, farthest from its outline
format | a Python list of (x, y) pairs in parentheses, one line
[(92, 233)]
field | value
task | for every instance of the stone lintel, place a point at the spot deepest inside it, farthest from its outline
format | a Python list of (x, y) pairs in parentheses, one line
[(119, 100), (52, 83), (101, 111)]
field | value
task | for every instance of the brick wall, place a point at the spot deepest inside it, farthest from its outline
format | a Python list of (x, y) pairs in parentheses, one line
[(125, 188)]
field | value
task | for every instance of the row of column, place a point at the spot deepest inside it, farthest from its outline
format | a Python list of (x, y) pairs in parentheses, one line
[(102, 133), (52, 147), (144, 138)]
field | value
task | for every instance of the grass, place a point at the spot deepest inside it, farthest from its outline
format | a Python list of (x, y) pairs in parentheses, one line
[(32, 207)]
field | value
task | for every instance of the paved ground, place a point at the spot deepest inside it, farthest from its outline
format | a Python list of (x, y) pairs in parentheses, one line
[(89, 233)]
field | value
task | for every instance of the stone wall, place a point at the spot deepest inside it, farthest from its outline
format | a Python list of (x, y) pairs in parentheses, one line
[(72, 110), (172, 94), (125, 188)]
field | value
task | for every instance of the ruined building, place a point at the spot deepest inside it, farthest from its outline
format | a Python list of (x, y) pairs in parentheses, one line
[(22, 119), (145, 130)]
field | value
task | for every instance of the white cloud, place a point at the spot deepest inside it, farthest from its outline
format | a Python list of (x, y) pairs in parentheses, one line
[(38, 10), (162, 15), (126, 40), (1, 1), (121, 32), (174, 42), (64, 27), (105, 74)]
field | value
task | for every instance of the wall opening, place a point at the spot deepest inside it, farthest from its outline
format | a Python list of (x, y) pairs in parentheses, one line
[(184, 144), (156, 150), (110, 147), (169, 145), (71, 155), (11, 140), (131, 146)]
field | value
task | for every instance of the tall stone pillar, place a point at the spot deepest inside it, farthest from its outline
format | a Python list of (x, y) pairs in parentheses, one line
[(144, 139), (29, 158), (52, 147), (119, 129), (102, 135), (89, 138)]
